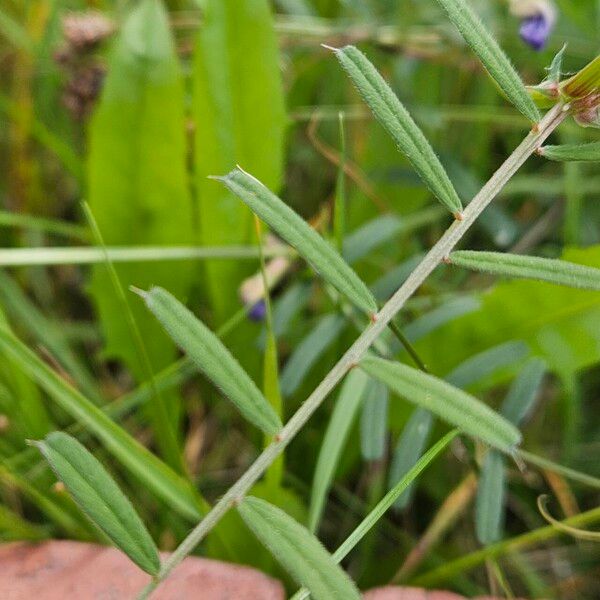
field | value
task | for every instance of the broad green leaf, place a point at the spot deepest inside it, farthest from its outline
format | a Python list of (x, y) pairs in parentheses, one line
[(298, 551), (296, 231), (340, 423), (210, 355), (100, 498), (446, 401), (523, 391), (373, 421), (392, 115), (572, 152), (529, 267), (175, 491), (489, 506), (138, 186), (309, 350), (491, 55), (239, 115), (385, 503)]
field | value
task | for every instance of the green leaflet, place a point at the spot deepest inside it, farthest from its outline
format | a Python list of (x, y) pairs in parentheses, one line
[(529, 267), (374, 421), (100, 498), (491, 55), (147, 468), (341, 421), (238, 108), (208, 352), (390, 112), (449, 403), (572, 152), (298, 551), (489, 505), (296, 231), (138, 186)]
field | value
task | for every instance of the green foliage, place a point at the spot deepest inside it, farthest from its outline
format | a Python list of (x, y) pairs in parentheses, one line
[(491, 55), (374, 422), (137, 185), (210, 355), (529, 267), (392, 115), (239, 116), (489, 508), (449, 403), (100, 498), (572, 152), (309, 244), (300, 553)]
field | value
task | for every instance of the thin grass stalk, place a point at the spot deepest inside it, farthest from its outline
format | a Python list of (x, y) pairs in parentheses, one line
[(357, 350)]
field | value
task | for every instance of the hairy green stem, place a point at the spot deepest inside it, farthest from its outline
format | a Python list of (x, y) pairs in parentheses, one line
[(360, 346)]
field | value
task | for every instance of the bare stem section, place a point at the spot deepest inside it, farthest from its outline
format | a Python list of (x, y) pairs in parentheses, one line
[(361, 345)]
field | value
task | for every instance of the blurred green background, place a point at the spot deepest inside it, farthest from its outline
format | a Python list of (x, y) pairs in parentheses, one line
[(130, 106)]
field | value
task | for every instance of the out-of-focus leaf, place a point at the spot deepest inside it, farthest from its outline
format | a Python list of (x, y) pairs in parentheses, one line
[(373, 422), (100, 498), (213, 358), (238, 109), (523, 391), (489, 506), (343, 416), (309, 350), (373, 234), (449, 403), (300, 553), (138, 189)]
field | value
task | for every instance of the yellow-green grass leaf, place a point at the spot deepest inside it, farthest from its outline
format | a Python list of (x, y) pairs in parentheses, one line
[(555, 271), (210, 355), (298, 551), (393, 116), (296, 231), (585, 83), (173, 489), (100, 498), (444, 400), (491, 55), (572, 152)]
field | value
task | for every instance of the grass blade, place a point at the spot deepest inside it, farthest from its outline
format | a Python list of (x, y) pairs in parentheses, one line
[(212, 358), (100, 498), (147, 468), (385, 503), (299, 552), (396, 120), (449, 403), (555, 271), (334, 440), (489, 505), (292, 228), (491, 55), (573, 152), (373, 423)]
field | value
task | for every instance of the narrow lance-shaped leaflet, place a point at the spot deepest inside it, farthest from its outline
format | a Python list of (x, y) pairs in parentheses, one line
[(396, 120), (99, 497), (210, 355), (572, 152), (309, 244), (449, 403), (555, 271), (491, 55)]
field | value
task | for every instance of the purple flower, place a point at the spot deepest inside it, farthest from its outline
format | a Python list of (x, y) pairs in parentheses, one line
[(258, 312), (536, 30)]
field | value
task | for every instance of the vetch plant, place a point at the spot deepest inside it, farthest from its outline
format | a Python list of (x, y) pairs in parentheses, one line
[(277, 531)]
